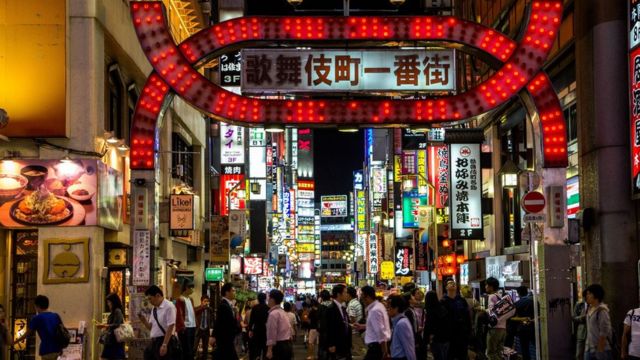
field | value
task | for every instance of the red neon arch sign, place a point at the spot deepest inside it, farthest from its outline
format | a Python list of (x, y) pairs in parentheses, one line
[(174, 72)]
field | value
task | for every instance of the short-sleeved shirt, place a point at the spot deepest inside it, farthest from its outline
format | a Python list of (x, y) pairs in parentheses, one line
[(633, 320), (166, 317), (45, 324)]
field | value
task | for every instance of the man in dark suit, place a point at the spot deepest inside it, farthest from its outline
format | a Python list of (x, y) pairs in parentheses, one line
[(258, 328), (226, 326), (338, 328)]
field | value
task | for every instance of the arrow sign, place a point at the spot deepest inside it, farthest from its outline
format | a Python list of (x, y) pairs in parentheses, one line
[(533, 202)]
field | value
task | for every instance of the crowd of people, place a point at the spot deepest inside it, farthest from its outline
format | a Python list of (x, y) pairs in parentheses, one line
[(345, 323)]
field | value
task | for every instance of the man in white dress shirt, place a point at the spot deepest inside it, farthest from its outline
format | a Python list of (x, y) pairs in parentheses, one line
[(378, 331)]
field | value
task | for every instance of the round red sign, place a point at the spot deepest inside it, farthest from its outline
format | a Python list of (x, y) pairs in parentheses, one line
[(533, 202)]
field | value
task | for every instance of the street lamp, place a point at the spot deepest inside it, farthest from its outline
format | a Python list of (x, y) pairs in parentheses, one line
[(509, 174)]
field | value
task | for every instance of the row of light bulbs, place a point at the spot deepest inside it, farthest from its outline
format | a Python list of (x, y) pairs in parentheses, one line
[(392, 2)]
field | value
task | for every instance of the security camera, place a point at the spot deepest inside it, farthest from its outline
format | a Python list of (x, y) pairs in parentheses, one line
[(4, 118)]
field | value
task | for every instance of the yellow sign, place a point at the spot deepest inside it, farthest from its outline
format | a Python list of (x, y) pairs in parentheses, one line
[(386, 270), (397, 168), (422, 169), (19, 329), (306, 248)]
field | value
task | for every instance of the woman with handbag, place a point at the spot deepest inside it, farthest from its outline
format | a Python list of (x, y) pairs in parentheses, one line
[(113, 350)]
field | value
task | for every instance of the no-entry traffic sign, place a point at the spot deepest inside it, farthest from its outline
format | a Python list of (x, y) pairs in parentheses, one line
[(533, 202)]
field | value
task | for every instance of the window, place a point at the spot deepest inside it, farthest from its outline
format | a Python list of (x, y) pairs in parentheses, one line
[(571, 117), (182, 159)]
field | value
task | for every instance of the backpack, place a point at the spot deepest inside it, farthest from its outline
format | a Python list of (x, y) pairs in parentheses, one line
[(612, 339)]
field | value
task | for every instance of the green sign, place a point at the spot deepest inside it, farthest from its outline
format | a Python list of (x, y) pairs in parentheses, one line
[(213, 274), (411, 202)]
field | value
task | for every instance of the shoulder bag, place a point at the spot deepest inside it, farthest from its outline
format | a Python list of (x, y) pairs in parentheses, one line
[(173, 348), (62, 336)]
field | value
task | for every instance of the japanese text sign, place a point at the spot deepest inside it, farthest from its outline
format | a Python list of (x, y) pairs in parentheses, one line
[(141, 258), (361, 211), (634, 113), (373, 253), (439, 174), (231, 144), (403, 261), (387, 270), (253, 265), (411, 203), (354, 70), (634, 23), (230, 65), (466, 191), (333, 206)]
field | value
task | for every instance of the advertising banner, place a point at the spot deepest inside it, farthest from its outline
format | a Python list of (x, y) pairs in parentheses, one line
[(141, 258), (181, 212), (373, 254), (291, 70), (334, 206), (358, 180), (387, 270), (306, 248), (411, 203), (231, 144), (227, 183), (305, 154), (219, 248), (361, 211), (253, 265), (230, 69), (403, 261), (35, 193), (466, 196), (413, 140), (634, 113), (438, 174)]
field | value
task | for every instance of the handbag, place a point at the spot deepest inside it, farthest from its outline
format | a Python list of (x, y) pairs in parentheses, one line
[(173, 348), (124, 333), (104, 337), (62, 336)]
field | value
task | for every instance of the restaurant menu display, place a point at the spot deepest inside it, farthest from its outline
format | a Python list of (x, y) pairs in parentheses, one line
[(59, 193)]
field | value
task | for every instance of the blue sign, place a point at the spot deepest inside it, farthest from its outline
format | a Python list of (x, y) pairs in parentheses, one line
[(358, 180)]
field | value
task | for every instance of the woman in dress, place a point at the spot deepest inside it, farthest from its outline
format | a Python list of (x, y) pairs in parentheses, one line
[(113, 350)]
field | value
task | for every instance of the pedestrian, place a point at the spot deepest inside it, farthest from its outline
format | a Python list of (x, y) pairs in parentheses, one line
[(402, 340), (304, 322), (187, 320), (630, 348), (415, 314), (580, 323), (279, 345), (598, 325), (325, 298), (497, 334), (113, 350), (338, 329), (45, 323), (356, 316), (288, 308), (204, 321), (524, 321), (437, 326), (377, 328), (458, 310), (226, 327), (312, 340), (162, 322), (258, 328)]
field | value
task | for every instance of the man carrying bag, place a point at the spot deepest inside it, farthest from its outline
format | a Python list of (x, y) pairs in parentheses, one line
[(162, 322)]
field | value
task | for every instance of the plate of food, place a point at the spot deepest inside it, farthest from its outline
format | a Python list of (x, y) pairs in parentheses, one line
[(41, 207)]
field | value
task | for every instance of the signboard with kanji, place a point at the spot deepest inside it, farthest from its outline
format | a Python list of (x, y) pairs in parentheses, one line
[(347, 70), (403, 261), (634, 92), (230, 69), (231, 144), (439, 174), (333, 206), (466, 191), (372, 251)]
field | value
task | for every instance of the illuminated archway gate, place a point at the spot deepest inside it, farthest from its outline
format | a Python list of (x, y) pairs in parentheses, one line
[(175, 73)]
